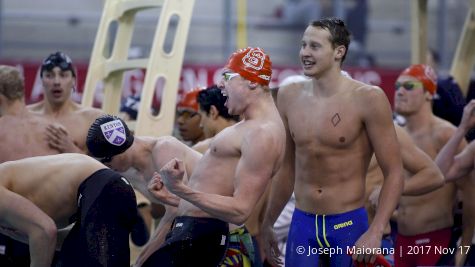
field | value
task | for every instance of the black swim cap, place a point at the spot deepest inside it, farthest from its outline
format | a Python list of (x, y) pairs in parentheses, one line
[(57, 59), (108, 136)]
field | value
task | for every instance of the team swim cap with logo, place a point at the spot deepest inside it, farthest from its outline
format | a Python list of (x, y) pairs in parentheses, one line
[(425, 74), (251, 63), (108, 136)]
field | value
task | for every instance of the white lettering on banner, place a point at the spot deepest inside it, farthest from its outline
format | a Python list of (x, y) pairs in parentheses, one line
[(368, 76), (192, 76), (192, 79)]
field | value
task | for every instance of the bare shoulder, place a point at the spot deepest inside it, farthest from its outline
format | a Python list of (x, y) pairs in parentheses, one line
[(166, 142), (202, 146), (443, 129), (365, 91), (169, 145), (36, 107), (89, 112), (291, 91), (266, 136)]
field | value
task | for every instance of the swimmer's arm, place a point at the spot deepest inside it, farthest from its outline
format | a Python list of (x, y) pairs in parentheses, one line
[(425, 175), (454, 167), (158, 237), (168, 148), (380, 129), (159, 193), (58, 138), (253, 172), (282, 183), (467, 187), (202, 146), (18, 212)]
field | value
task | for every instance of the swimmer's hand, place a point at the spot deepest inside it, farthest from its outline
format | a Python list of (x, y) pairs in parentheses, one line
[(160, 192), (58, 138), (172, 175), (369, 241), (271, 248), (468, 119)]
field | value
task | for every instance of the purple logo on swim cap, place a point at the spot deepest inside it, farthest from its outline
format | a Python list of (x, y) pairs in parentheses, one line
[(114, 132)]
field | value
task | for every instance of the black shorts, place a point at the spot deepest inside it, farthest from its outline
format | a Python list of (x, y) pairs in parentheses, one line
[(107, 211), (192, 242)]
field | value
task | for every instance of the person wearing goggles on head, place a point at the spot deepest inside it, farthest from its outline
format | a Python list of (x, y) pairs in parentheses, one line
[(58, 77), (431, 216)]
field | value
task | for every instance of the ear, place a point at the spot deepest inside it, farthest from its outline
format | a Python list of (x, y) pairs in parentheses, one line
[(340, 52), (213, 112), (429, 96)]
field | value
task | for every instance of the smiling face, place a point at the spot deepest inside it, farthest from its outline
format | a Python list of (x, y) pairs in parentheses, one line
[(317, 53), (409, 95)]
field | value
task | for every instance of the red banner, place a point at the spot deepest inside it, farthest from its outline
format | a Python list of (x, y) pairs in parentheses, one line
[(192, 76)]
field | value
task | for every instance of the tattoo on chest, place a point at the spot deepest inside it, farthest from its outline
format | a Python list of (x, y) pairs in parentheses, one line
[(336, 119)]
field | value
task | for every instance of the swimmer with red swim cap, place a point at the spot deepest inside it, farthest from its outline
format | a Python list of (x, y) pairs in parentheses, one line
[(188, 118), (429, 217), (232, 175)]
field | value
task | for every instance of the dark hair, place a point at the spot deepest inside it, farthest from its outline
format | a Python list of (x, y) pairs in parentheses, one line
[(57, 59), (12, 84), (212, 96), (339, 34), (99, 146), (435, 55), (131, 106)]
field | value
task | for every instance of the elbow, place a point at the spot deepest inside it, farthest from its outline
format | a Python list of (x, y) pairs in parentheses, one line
[(240, 216), (50, 231), (46, 231), (239, 219)]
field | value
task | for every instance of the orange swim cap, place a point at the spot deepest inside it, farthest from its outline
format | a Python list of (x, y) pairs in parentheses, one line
[(189, 100), (425, 74), (251, 63)]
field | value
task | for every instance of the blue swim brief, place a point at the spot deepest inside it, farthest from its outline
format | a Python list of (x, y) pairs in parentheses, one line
[(314, 238)]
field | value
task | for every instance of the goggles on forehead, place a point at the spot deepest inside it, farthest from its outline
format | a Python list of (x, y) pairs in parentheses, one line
[(229, 75), (407, 85), (57, 59)]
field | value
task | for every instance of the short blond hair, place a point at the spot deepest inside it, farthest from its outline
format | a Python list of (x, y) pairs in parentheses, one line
[(12, 84)]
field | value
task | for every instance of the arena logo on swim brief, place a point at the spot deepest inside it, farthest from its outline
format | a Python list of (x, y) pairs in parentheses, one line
[(114, 132), (254, 59), (343, 225)]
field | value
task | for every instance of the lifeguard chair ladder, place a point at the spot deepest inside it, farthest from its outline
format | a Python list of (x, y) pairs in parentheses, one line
[(160, 64)]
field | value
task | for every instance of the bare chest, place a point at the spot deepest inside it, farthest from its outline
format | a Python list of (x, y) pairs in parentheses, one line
[(225, 146), (428, 143), (77, 128), (332, 124)]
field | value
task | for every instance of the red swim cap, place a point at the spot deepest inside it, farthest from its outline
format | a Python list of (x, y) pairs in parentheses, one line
[(251, 63), (189, 100), (425, 74)]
